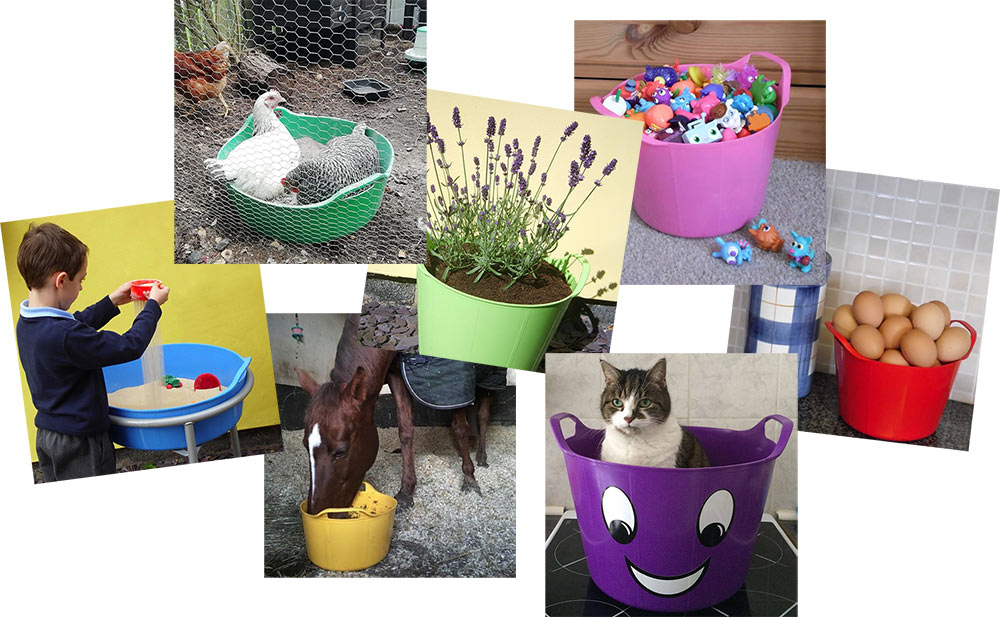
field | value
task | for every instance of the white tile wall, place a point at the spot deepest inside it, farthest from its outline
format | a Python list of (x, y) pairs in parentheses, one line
[(719, 390), (926, 240)]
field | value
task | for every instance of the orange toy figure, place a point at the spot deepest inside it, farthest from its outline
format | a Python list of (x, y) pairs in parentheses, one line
[(679, 86), (635, 115), (757, 122), (766, 237), (658, 116)]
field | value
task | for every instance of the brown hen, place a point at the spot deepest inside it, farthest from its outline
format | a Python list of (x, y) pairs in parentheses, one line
[(201, 75)]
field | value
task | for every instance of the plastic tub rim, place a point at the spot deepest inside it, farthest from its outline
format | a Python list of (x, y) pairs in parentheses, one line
[(595, 101), (574, 292), (779, 446), (839, 338), (366, 487), (372, 179)]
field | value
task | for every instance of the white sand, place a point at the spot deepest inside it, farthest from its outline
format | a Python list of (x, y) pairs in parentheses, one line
[(140, 397)]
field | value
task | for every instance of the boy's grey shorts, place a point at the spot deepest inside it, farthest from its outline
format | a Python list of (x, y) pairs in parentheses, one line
[(64, 457)]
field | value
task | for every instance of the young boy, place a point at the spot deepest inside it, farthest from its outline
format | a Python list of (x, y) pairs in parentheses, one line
[(62, 353)]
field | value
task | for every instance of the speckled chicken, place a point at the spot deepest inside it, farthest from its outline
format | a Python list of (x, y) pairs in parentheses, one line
[(258, 165), (345, 160)]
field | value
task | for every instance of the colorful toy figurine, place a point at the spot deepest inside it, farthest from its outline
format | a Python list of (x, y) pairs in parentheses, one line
[(171, 382), (644, 104), (663, 74), (731, 117), (701, 132), (696, 75), (717, 112), (207, 381), (713, 89), (762, 91), (616, 104), (746, 76), (800, 252), (743, 103), (682, 100), (297, 333), (766, 236), (629, 89), (705, 104), (733, 253), (662, 95), (681, 85), (757, 122), (635, 115), (770, 110), (719, 75), (658, 117)]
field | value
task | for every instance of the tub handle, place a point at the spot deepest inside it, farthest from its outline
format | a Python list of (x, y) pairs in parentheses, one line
[(786, 73), (972, 333), (581, 282), (324, 513), (556, 420), (787, 426)]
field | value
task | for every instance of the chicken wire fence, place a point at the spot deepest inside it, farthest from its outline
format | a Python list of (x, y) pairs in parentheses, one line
[(298, 131)]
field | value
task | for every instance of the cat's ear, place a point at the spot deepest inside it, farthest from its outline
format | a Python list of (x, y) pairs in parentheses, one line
[(611, 374), (658, 374)]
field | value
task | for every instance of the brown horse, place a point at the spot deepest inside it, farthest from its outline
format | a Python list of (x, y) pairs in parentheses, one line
[(340, 433)]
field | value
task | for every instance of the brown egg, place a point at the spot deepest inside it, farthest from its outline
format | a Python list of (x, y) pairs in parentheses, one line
[(867, 308), (867, 341), (896, 304), (843, 320), (930, 318), (893, 329), (918, 348), (944, 309), (953, 343), (893, 356)]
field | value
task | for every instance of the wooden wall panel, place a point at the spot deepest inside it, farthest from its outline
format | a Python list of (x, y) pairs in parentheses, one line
[(607, 52)]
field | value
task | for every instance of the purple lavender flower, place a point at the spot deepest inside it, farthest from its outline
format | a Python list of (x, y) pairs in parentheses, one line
[(456, 119), (574, 173), (485, 190), (569, 130), (534, 148), (522, 184), (491, 126), (506, 150), (524, 233), (475, 160), (503, 127), (531, 168), (515, 144), (610, 167), (433, 189), (589, 160), (544, 177), (585, 148), (440, 145), (515, 167)]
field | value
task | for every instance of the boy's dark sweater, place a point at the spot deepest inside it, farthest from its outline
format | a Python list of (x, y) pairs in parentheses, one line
[(62, 356)]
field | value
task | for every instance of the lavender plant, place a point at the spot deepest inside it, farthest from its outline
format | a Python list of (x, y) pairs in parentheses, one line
[(499, 215)]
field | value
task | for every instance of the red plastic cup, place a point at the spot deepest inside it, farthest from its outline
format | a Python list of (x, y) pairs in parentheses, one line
[(897, 403), (142, 287)]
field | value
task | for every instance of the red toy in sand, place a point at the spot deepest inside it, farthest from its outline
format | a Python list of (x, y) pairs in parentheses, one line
[(206, 381)]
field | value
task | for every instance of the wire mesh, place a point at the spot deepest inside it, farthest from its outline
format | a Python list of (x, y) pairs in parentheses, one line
[(271, 162)]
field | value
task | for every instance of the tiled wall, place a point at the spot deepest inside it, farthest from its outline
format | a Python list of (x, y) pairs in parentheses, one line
[(926, 240), (720, 390)]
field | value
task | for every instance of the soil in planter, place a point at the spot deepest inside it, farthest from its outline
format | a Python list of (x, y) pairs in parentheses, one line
[(549, 284)]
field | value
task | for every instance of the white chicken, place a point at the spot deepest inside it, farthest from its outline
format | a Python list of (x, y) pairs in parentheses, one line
[(257, 166)]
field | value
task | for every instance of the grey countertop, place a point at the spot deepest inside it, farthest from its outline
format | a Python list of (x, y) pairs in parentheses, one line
[(819, 413)]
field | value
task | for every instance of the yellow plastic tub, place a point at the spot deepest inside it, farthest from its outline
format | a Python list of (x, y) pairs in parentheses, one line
[(353, 543)]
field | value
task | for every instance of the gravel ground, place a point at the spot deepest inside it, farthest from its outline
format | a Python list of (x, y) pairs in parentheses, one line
[(253, 441), (207, 228), (447, 533)]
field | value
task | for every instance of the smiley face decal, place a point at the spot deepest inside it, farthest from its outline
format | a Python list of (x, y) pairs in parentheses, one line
[(712, 526)]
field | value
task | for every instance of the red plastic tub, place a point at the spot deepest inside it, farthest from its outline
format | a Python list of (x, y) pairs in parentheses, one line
[(142, 287), (898, 403)]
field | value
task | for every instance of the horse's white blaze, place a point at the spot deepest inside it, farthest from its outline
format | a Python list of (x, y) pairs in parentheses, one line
[(315, 441)]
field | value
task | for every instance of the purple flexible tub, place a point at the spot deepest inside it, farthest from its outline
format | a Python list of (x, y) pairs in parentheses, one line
[(705, 190), (671, 539)]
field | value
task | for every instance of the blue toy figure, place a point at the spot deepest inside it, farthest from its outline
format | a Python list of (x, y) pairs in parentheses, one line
[(733, 253), (743, 103), (683, 101), (716, 88), (666, 73), (800, 253)]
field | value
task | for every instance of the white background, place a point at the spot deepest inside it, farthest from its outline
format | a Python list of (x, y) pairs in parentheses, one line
[(885, 528)]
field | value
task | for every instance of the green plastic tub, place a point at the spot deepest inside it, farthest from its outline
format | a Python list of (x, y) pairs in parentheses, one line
[(452, 324), (346, 212)]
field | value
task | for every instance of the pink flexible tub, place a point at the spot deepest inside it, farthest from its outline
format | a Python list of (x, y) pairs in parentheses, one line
[(706, 190)]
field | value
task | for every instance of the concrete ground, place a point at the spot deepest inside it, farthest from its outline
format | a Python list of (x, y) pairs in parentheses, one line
[(447, 533), (253, 441)]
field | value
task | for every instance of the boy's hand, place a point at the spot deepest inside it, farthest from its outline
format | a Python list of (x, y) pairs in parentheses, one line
[(159, 293), (122, 295)]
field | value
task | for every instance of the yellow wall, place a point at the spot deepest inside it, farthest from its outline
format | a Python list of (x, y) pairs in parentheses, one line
[(602, 224), (214, 304)]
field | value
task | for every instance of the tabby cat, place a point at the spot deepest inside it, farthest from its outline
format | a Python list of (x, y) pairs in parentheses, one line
[(635, 405)]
